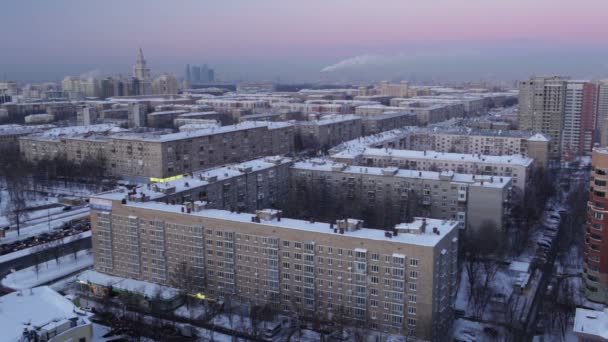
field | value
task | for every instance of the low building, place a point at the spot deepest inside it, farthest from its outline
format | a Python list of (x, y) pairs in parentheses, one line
[(149, 295), (41, 314)]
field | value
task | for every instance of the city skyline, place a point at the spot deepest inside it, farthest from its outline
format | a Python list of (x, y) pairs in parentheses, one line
[(271, 40)]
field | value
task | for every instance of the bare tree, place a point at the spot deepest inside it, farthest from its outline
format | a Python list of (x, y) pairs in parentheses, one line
[(184, 277), (17, 209)]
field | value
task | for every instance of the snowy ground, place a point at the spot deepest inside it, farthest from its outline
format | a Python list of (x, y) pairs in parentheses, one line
[(48, 271), (468, 331)]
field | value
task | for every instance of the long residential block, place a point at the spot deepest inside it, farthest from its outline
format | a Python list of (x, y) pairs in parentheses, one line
[(150, 155), (400, 281), (518, 167), (383, 197)]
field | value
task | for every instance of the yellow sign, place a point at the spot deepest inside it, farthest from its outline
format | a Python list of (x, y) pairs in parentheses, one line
[(160, 180)]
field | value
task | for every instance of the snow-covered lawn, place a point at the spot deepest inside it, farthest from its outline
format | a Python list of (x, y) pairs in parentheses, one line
[(48, 271), (465, 330)]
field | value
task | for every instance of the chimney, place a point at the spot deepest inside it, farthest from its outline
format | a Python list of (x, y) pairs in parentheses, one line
[(182, 209), (423, 226)]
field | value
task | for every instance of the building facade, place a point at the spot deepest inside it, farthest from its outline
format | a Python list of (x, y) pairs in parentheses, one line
[(517, 167), (541, 108), (383, 197), (141, 156), (580, 114), (328, 132), (400, 281), (595, 270)]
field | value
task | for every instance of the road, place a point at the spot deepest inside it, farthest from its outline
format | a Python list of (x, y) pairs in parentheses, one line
[(28, 260), (548, 267)]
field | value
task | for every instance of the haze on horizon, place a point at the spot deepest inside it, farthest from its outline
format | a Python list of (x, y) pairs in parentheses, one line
[(293, 41)]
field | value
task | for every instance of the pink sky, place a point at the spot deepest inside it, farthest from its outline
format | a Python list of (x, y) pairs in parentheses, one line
[(107, 32)]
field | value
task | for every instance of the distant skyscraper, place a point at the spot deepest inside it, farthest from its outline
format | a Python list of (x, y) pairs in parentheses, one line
[(541, 108), (196, 74), (142, 74), (199, 74), (580, 109)]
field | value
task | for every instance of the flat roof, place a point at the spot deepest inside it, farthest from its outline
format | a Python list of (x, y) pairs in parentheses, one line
[(515, 159), (138, 286), (38, 307), (426, 239), (202, 178), (331, 166), (203, 132)]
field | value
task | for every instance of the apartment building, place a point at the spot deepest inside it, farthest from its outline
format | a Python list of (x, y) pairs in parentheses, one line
[(328, 131), (602, 107), (541, 108), (248, 186), (62, 110), (517, 166), (400, 281), (385, 122), (383, 197), (394, 90), (140, 156), (580, 115), (595, 268), (488, 142), (457, 140), (10, 134)]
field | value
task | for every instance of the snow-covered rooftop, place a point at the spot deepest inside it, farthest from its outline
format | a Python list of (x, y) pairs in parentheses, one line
[(56, 133), (591, 322), (36, 308), (12, 129), (204, 132), (330, 119), (424, 239), (330, 166), (203, 178), (516, 159), (143, 287)]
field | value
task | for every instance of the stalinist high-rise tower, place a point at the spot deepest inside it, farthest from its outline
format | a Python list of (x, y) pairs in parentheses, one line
[(142, 75)]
